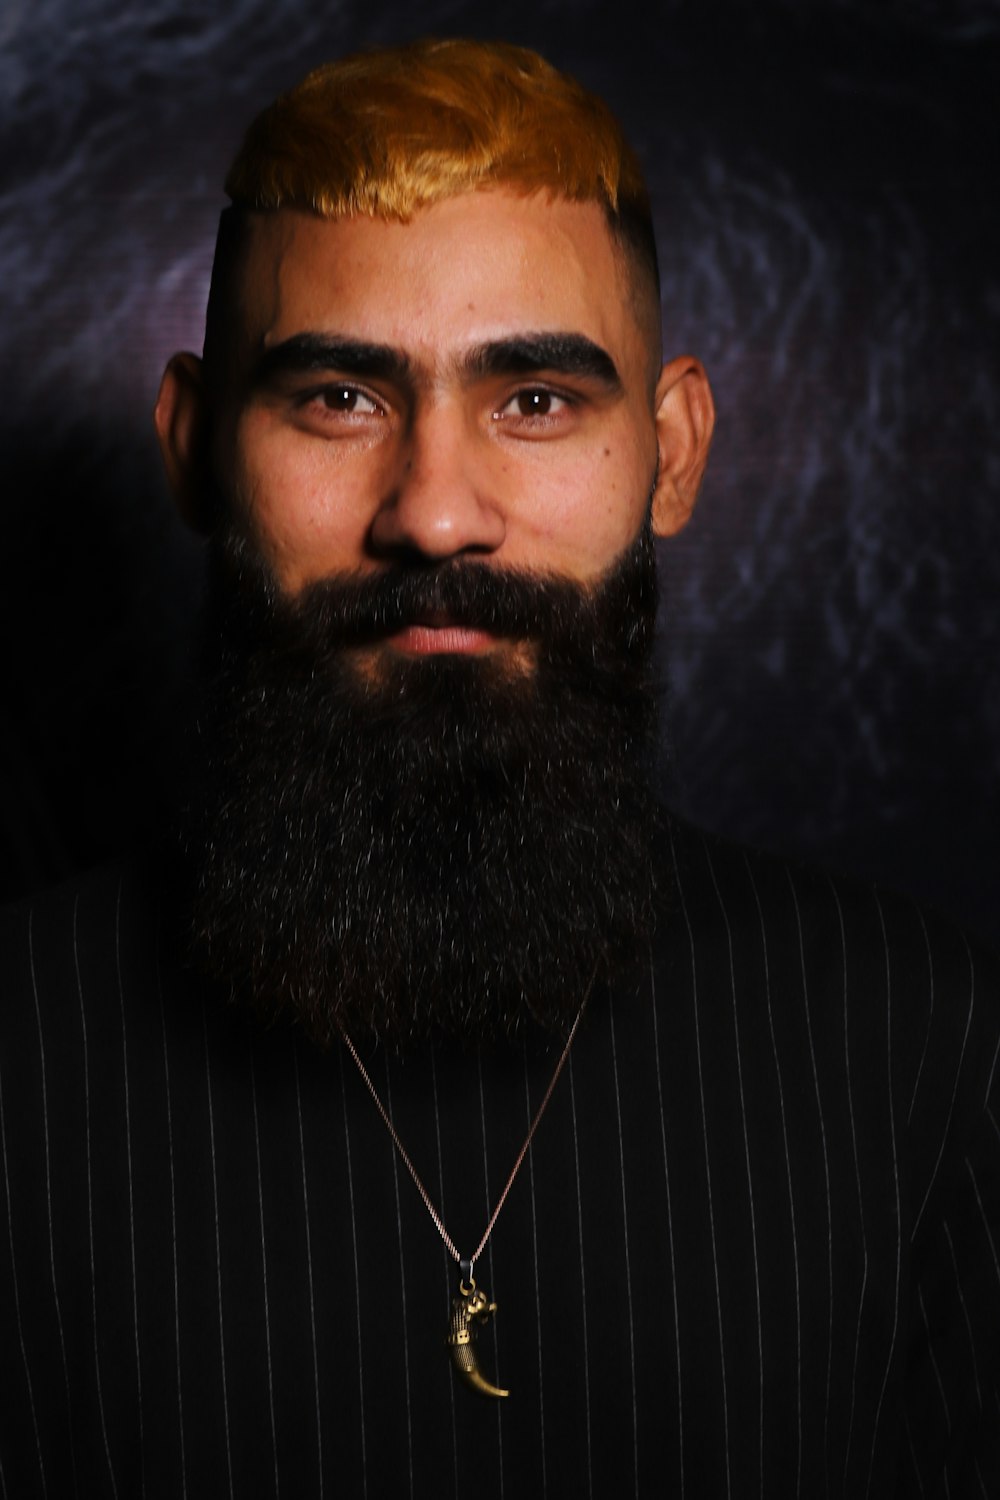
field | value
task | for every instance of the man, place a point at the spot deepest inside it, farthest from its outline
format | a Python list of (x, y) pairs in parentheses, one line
[(716, 1135)]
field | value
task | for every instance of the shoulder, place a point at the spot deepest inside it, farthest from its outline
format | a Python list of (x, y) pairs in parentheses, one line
[(62, 951), (870, 975), (875, 939)]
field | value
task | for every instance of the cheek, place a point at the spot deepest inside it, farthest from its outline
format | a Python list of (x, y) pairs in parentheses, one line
[(308, 517), (580, 518)]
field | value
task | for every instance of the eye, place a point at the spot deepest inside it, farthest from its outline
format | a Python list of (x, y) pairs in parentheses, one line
[(348, 400), (533, 402)]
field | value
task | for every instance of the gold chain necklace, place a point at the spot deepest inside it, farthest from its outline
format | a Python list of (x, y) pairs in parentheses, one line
[(472, 1307)]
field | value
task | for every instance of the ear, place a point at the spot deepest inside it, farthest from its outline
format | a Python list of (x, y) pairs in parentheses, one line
[(685, 418), (182, 421)]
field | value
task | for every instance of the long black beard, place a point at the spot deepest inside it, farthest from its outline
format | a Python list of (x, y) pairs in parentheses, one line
[(450, 843)]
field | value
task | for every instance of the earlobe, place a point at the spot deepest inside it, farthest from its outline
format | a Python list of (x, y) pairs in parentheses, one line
[(685, 419), (181, 417)]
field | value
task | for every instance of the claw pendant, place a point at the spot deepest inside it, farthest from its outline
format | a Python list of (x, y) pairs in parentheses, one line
[(469, 1308)]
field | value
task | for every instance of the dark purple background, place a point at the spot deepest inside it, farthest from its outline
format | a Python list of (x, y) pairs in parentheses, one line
[(828, 213)]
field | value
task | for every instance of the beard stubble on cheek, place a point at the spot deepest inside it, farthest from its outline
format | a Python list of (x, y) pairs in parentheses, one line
[(442, 843)]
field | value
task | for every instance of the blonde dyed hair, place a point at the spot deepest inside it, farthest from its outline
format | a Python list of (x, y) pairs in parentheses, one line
[(385, 133), (388, 132)]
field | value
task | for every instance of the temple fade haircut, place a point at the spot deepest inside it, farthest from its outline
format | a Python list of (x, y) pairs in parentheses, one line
[(386, 133)]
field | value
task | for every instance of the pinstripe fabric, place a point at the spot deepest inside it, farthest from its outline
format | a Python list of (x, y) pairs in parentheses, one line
[(210, 1122), (404, 1322), (356, 1288), (90, 1205), (756, 1253), (446, 1261), (173, 1225), (130, 1184), (530, 1167), (312, 1300)]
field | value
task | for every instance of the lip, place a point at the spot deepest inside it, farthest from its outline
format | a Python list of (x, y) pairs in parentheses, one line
[(437, 635)]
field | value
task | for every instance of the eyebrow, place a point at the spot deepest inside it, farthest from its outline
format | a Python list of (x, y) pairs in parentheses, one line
[(531, 353), (570, 354), (307, 353)]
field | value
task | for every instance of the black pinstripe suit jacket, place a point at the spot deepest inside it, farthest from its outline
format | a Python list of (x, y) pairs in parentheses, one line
[(753, 1252)]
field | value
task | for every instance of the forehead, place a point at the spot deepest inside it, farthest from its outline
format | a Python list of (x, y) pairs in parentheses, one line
[(458, 273)]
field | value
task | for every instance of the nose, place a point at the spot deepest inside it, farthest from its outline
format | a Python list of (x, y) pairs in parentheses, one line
[(440, 504)]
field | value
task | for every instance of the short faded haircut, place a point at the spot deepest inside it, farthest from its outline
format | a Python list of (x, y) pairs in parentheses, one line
[(385, 133)]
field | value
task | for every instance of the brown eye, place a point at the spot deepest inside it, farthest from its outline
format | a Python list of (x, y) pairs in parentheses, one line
[(534, 403), (347, 399), (342, 399)]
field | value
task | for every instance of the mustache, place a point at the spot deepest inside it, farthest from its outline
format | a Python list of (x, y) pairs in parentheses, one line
[(504, 602), (354, 609)]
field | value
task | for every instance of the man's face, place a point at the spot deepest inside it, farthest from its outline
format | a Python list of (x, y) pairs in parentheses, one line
[(424, 793), (473, 384)]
